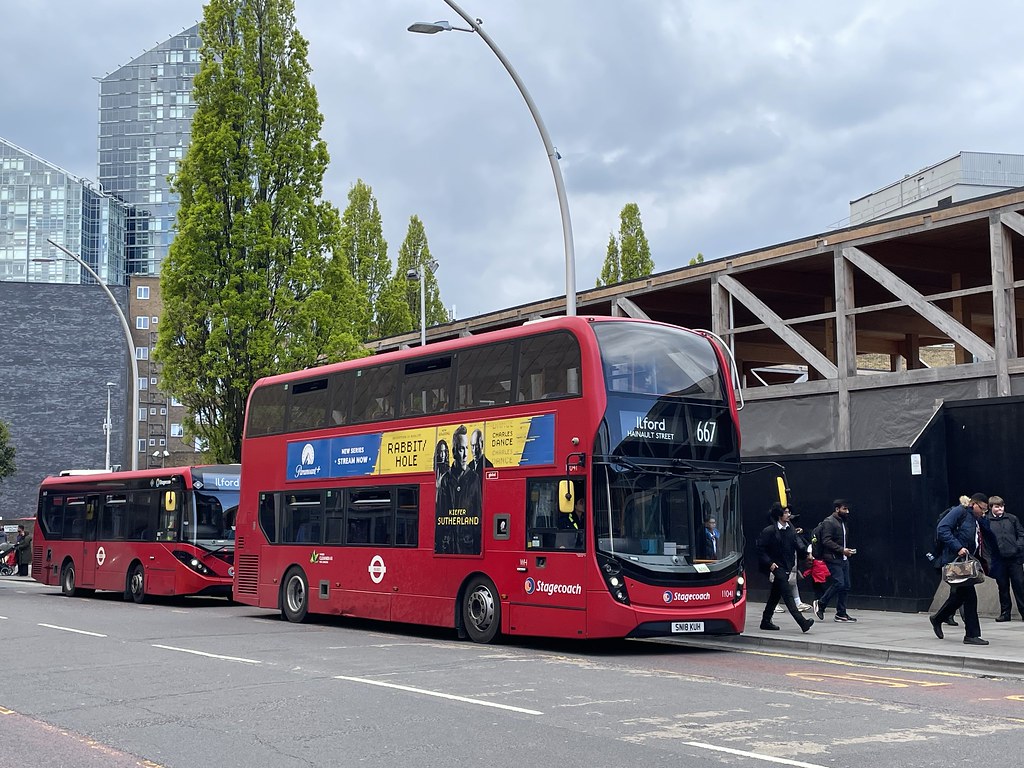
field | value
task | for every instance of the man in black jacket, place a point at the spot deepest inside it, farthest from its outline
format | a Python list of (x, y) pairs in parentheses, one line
[(776, 550), (1009, 536), (836, 552)]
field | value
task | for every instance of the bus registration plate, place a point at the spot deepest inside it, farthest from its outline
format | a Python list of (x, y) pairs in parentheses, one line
[(687, 626)]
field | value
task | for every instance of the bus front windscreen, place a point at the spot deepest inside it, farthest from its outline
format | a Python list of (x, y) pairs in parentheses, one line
[(665, 522), (210, 522)]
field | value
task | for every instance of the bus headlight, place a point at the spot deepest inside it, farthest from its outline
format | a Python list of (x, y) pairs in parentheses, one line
[(192, 562), (741, 582), (612, 573)]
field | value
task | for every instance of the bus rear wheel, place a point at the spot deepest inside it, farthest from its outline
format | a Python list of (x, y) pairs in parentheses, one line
[(481, 610), (136, 584), (295, 596), (67, 580)]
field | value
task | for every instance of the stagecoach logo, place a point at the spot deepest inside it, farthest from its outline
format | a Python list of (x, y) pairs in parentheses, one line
[(377, 569), (320, 557), (548, 588), (684, 597)]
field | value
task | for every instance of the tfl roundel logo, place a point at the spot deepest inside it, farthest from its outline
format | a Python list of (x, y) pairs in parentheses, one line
[(667, 596), (531, 586)]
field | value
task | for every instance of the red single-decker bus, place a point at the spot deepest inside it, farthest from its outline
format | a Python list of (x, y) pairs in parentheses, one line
[(149, 532)]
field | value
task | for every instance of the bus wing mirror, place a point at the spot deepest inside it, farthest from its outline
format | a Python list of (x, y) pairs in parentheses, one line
[(780, 481), (170, 501), (566, 502)]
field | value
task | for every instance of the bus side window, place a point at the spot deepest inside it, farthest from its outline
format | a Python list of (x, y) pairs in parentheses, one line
[(268, 516)]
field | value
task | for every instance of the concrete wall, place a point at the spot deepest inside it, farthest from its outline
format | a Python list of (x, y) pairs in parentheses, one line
[(59, 345)]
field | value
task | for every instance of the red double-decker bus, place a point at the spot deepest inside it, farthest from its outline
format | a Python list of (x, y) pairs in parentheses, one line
[(149, 532), (572, 477)]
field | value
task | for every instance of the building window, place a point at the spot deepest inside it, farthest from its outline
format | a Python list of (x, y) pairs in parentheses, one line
[(142, 445), (152, 411), (176, 402), (152, 441), (142, 323), (143, 383), (142, 292), (177, 431), (154, 320), (142, 353), (142, 414), (163, 411), (152, 380), (162, 442)]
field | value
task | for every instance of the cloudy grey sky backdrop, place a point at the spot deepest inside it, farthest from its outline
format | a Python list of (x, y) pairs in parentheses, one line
[(733, 124)]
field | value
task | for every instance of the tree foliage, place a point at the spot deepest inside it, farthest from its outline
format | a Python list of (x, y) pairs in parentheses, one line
[(7, 465), (366, 252), (415, 254), (249, 287), (610, 272), (635, 254), (698, 259)]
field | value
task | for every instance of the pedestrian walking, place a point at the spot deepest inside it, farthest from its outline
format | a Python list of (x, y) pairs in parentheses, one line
[(23, 543), (776, 549), (836, 552), (1009, 537)]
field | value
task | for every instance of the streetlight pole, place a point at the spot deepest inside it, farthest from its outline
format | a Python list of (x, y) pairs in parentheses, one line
[(421, 275), (553, 156), (134, 448), (107, 426)]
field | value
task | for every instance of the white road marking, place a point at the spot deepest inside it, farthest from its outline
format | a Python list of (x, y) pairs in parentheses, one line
[(754, 755), (438, 694), (76, 631), (208, 655), (3, 617)]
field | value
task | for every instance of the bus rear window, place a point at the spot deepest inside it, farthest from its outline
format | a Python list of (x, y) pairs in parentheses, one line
[(267, 410)]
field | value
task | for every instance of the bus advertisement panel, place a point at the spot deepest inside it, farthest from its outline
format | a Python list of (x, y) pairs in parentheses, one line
[(148, 532), (576, 477)]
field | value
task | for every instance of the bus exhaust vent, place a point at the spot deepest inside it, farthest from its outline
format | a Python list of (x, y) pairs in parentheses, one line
[(247, 574)]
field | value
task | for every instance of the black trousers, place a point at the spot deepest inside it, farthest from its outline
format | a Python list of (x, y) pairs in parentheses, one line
[(23, 569), (1012, 573), (962, 595), (780, 591)]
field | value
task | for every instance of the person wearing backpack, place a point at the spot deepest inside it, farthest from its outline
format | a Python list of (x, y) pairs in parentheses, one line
[(1009, 536), (776, 550), (836, 552)]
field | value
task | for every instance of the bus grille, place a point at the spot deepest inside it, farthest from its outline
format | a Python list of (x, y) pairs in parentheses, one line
[(247, 574), (37, 560)]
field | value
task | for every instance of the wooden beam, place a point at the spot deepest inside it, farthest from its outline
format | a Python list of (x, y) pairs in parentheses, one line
[(1004, 329), (629, 308), (775, 323), (899, 287)]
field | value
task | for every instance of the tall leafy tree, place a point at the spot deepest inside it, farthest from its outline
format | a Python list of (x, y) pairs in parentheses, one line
[(635, 254), (415, 254), (698, 259), (610, 271), (366, 251), (249, 287), (7, 465)]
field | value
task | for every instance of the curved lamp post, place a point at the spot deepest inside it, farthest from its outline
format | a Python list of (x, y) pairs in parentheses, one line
[(131, 351), (430, 28)]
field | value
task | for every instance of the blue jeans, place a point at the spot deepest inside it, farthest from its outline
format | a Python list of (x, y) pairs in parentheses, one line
[(840, 586)]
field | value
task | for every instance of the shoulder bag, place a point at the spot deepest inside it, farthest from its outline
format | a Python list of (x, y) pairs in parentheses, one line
[(965, 570)]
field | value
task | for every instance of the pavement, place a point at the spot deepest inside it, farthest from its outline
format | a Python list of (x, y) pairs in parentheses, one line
[(885, 637)]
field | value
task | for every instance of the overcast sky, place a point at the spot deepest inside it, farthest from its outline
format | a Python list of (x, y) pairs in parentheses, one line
[(734, 125)]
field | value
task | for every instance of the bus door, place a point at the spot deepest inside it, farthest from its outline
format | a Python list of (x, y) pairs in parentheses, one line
[(86, 563), (550, 597)]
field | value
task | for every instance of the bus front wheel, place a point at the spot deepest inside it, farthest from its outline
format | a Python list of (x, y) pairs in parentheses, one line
[(137, 584), (481, 610), (67, 580), (295, 596)]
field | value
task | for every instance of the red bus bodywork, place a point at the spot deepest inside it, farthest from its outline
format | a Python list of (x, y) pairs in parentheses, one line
[(516, 577), (149, 532)]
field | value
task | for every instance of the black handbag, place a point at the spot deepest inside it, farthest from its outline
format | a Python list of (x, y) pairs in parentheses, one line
[(966, 570)]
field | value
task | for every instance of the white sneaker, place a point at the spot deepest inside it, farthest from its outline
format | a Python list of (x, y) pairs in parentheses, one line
[(780, 609), (804, 607)]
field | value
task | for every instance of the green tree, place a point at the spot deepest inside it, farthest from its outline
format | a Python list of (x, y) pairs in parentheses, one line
[(698, 259), (366, 251), (610, 272), (249, 287), (635, 254), (415, 254), (7, 465)]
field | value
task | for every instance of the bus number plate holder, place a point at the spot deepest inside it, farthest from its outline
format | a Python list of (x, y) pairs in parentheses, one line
[(687, 626)]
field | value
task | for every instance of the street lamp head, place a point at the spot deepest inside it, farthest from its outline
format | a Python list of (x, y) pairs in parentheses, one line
[(412, 274), (432, 265), (427, 28), (111, 384)]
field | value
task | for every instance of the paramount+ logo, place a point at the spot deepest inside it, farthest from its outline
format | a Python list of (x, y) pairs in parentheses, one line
[(684, 597), (548, 588)]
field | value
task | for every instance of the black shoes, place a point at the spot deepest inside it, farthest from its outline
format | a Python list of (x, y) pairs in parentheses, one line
[(936, 627), (951, 622), (807, 625), (843, 618), (819, 611), (975, 641), (768, 625), (1003, 617)]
